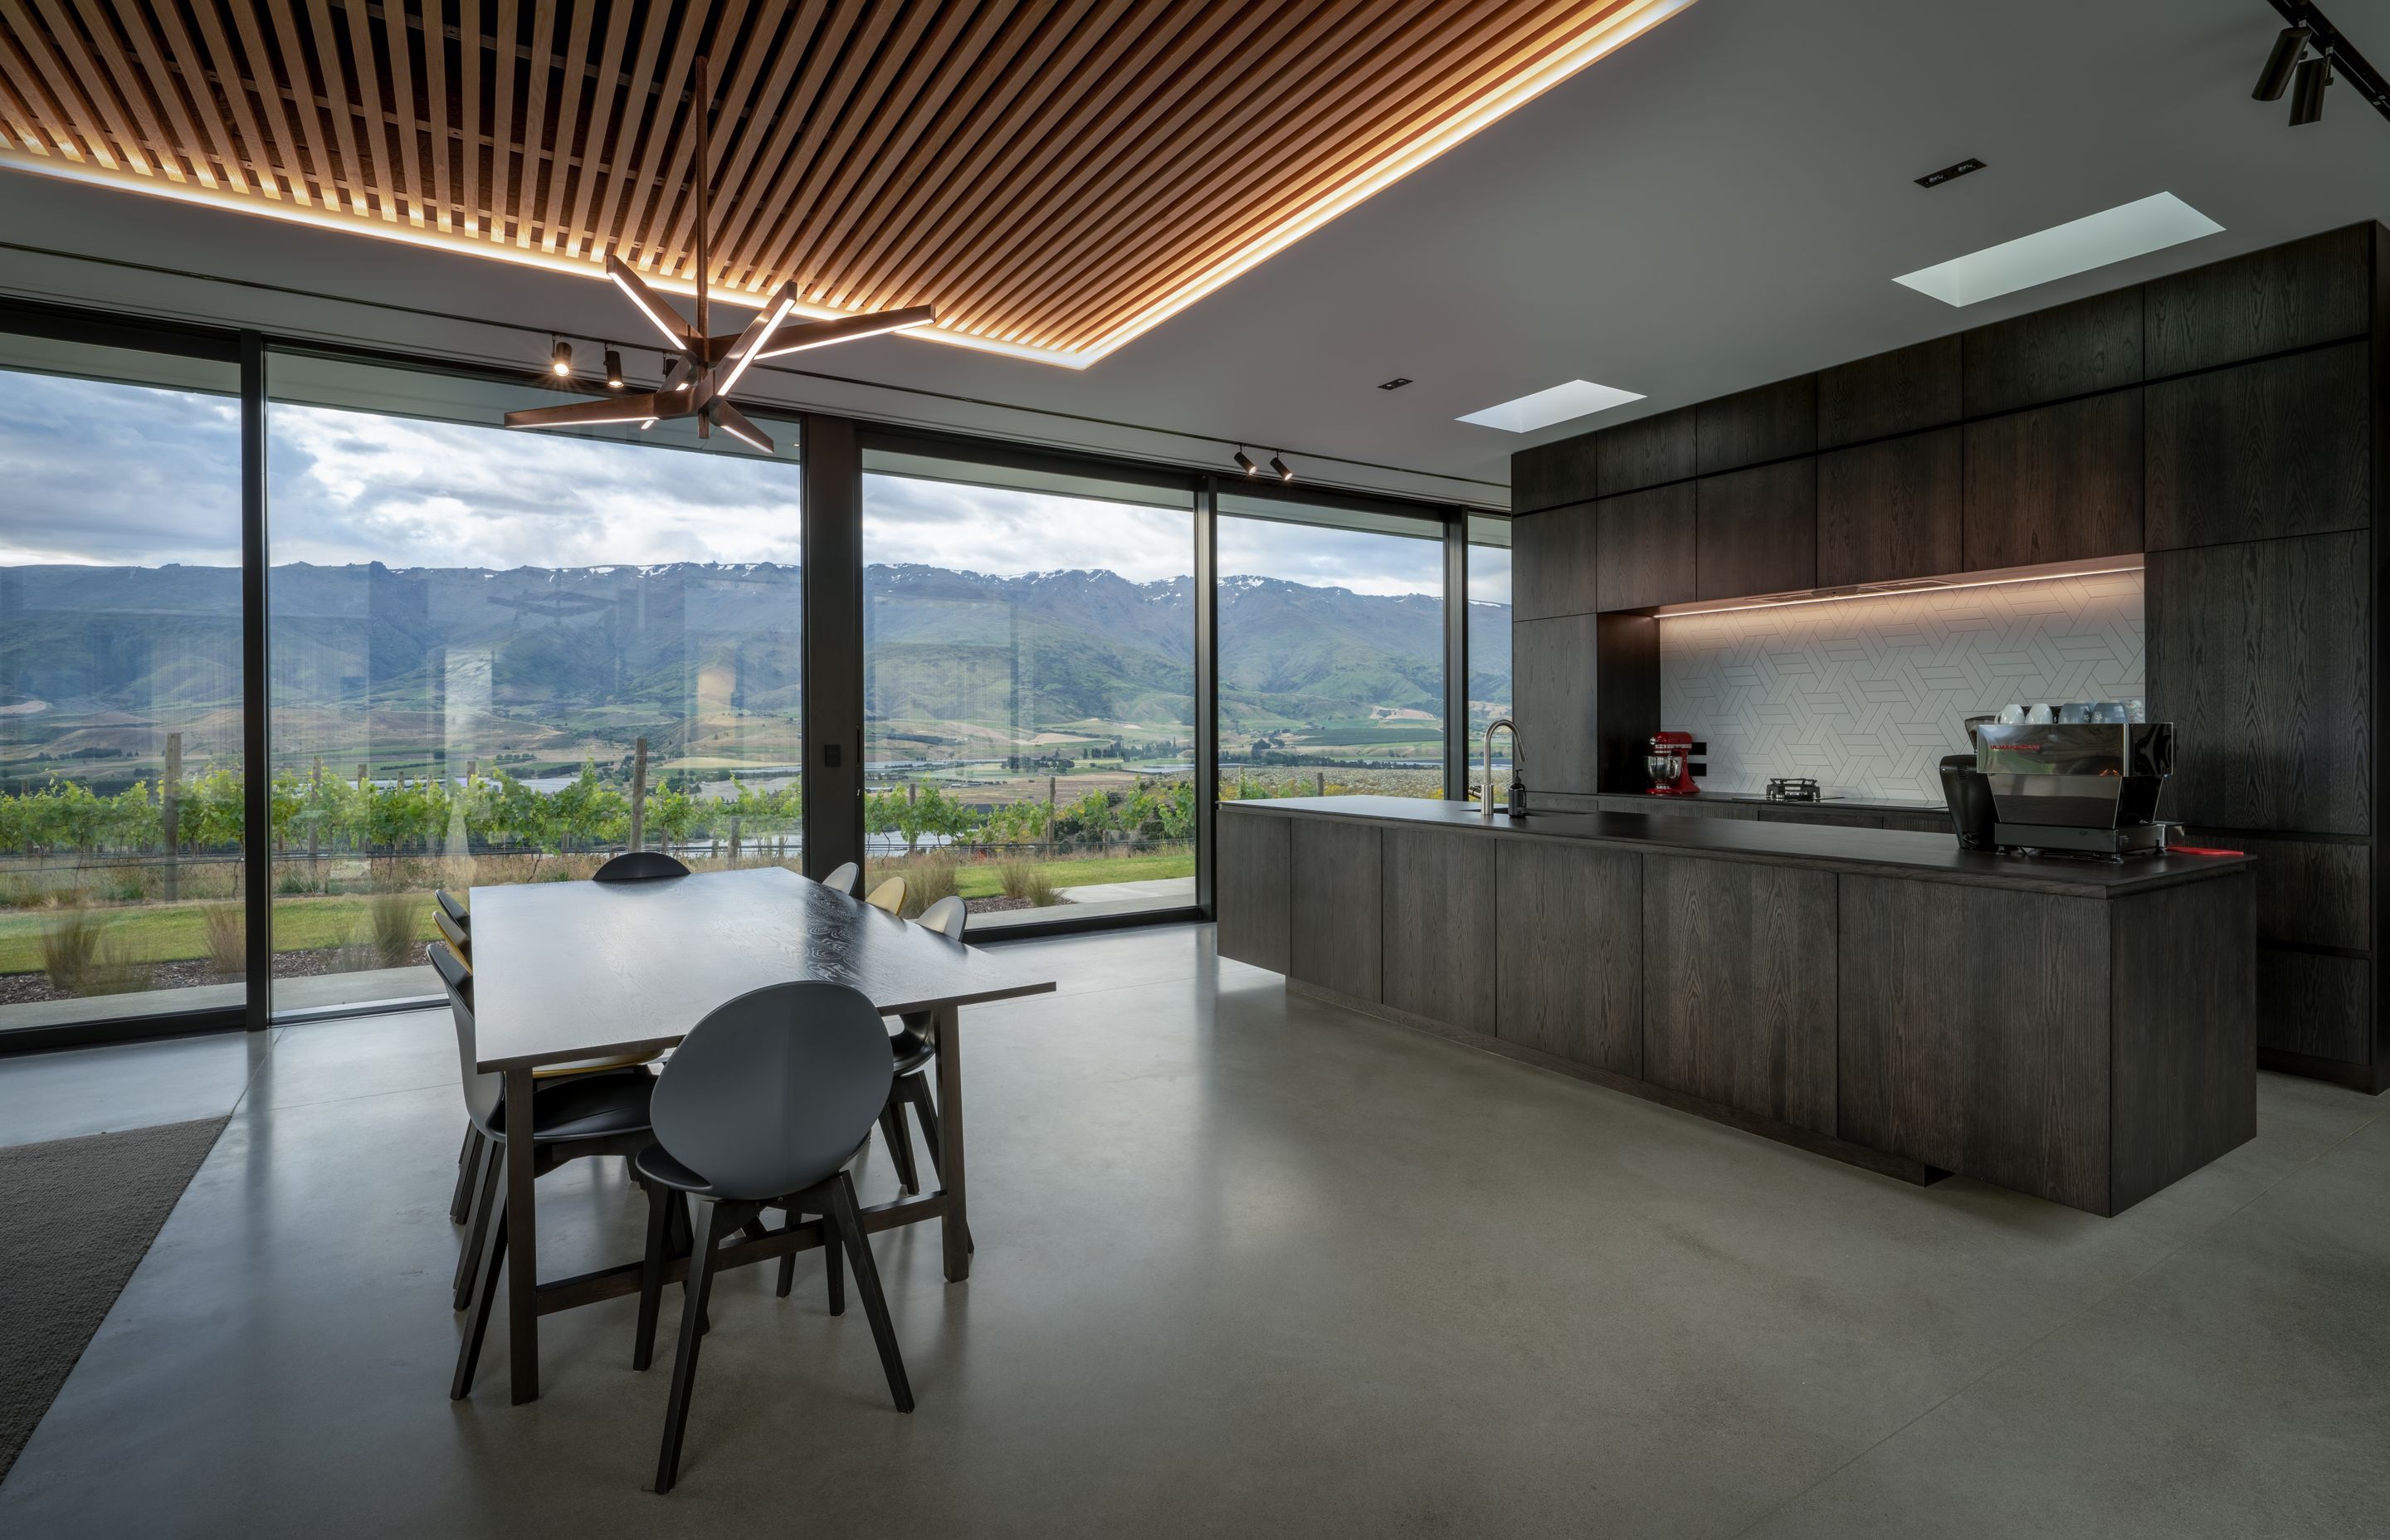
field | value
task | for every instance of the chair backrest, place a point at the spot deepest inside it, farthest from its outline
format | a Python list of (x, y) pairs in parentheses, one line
[(946, 917), (452, 909), (458, 941), (842, 878), (773, 1091), (889, 895), (640, 865), (482, 1092)]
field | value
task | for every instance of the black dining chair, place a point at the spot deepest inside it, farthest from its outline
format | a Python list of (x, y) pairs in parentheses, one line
[(761, 1107), (454, 909), (639, 865), (571, 1117), (914, 1045)]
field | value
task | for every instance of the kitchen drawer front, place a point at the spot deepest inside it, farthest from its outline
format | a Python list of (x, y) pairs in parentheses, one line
[(1336, 902), (2313, 1005)]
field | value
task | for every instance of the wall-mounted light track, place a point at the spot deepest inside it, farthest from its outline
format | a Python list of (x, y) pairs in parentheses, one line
[(1245, 462), (2290, 65), (1285, 471)]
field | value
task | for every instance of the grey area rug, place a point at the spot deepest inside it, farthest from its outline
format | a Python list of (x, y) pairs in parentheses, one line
[(76, 1216)]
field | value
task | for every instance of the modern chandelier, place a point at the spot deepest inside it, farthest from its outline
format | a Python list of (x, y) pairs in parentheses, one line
[(701, 369)]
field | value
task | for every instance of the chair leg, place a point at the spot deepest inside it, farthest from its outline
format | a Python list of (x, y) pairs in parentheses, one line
[(834, 1260), (715, 1221), (899, 1146), (788, 1278), (488, 1184), (660, 1203), (840, 1191), (467, 1166), (485, 1296)]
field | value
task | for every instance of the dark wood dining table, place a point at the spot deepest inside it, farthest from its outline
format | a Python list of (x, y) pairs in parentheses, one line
[(574, 971)]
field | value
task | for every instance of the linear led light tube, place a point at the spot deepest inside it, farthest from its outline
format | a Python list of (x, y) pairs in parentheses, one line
[(821, 334), (1667, 612)]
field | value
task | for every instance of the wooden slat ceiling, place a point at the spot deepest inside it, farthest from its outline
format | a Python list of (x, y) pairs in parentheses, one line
[(1054, 177)]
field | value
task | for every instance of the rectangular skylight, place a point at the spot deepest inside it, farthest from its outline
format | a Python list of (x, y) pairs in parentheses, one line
[(2095, 241), (1576, 398)]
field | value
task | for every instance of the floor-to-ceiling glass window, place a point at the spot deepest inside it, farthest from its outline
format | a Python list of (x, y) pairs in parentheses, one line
[(1331, 649), (120, 812), (1489, 641), (1029, 657), (501, 656)]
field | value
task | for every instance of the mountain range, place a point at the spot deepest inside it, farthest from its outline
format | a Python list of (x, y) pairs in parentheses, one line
[(92, 659)]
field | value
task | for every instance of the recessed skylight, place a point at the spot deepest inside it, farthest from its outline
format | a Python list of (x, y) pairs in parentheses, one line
[(1576, 398), (2095, 241)]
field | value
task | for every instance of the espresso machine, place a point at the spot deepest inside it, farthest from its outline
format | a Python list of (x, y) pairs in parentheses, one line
[(2067, 788)]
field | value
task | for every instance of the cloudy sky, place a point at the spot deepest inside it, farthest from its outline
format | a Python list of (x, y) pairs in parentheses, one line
[(95, 472)]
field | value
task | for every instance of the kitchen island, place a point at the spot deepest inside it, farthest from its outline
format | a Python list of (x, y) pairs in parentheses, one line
[(2081, 1032)]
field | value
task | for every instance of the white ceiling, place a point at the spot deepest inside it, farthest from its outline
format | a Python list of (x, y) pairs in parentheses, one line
[(1723, 202)]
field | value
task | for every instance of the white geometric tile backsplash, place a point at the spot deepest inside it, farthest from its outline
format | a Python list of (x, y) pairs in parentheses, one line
[(1865, 695)]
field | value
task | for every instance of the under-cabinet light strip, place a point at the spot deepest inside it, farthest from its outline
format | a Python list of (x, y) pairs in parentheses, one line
[(1672, 613)]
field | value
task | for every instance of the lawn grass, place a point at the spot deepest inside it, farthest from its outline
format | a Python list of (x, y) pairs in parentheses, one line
[(175, 932)]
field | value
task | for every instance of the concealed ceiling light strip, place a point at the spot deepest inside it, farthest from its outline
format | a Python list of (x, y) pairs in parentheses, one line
[(1672, 613)]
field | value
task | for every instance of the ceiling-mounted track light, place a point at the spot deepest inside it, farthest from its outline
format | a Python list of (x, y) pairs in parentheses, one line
[(560, 360), (613, 368), (2306, 96), (1285, 473), (2275, 78), (1245, 464)]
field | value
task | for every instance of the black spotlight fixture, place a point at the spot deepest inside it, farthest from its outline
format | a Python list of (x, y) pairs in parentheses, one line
[(2275, 78), (613, 370), (2306, 96), (1285, 471), (1245, 464), (559, 363)]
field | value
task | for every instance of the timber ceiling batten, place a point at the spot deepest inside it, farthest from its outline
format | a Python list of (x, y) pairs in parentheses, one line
[(1054, 177)]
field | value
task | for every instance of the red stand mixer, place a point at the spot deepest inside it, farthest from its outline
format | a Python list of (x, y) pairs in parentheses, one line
[(1670, 766)]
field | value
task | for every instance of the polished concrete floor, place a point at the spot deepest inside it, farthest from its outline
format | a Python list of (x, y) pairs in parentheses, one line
[(1247, 1265)]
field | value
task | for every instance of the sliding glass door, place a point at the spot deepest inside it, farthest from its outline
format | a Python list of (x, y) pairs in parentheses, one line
[(121, 685), (1489, 644), (502, 656), (1029, 657)]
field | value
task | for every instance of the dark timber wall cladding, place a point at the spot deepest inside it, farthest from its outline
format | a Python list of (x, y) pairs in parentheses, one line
[(2230, 424)]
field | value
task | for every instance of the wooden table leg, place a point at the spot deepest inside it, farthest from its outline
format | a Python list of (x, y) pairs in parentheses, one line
[(522, 1244), (956, 1222)]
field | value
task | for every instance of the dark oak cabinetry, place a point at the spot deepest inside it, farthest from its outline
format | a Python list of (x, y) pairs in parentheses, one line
[(1552, 474), (1757, 531), (2057, 484), (1570, 956), (1553, 562), (2071, 350), (2260, 451), (1646, 543), (1889, 509), (2227, 427), (1773, 422)]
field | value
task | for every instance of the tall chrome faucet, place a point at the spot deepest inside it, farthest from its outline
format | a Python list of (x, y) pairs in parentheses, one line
[(1486, 797)]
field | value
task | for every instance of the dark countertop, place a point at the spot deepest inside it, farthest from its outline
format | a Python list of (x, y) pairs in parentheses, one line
[(1829, 805), (1874, 852)]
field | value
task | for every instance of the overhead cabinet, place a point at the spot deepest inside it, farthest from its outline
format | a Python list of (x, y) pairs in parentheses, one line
[(2071, 349), (1553, 559), (1646, 545), (1889, 509), (1893, 392), (2315, 290), (2058, 484), (1757, 531), (1770, 423), (1646, 453), (2259, 451)]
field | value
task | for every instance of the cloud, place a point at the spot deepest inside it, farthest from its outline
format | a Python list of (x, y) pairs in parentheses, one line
[(135, 475)]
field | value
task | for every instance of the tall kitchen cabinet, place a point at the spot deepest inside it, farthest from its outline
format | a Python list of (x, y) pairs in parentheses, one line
[(2225, 424)]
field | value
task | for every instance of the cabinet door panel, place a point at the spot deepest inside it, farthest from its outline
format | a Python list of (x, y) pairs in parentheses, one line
[(1254, 866), (2055, 484), (1552, 562), (2290, 296), (2258, 655), (1646, 539), (1553, 474), (2069, 350), (1552, 685), (1645, 453), (1337, 919), (1899, 392), (1738, 986), (1769, 423), (1571, 951), (1757, 531), (1975, 1032), (1889, 509), (2263, 450), (2310, 893), (1440, 925), (2312, 1005)]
